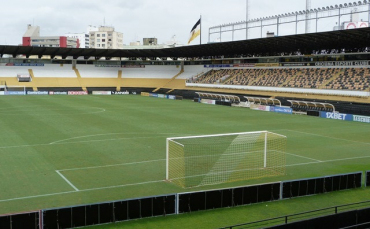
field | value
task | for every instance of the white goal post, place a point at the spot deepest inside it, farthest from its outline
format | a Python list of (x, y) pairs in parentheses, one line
[(212, 159)]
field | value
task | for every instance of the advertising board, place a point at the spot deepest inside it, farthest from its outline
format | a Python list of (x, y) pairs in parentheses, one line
[(337, 116), (25, 64), (107, 66), (359, 118), (77, 93), (101, 92), (58, 93), (208, 101), (14, 93), (283, 110), (133, 66), (37, 93), (260, 107), (218, 65), (120, 92), (153, 95)]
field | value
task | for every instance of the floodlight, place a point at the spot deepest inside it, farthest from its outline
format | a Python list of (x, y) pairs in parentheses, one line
[(336, 6)]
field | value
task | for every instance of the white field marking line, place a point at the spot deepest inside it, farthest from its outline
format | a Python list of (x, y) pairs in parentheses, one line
[(84, 190), (113, 165), (95, 135), (303, 157), (150, 161), (100, 110), (334, 160), (342, 139), (77, 142), (149, 182), (102, 140), (70, 183)]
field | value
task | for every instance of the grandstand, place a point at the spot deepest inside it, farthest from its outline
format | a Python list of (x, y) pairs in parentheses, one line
[(284, 72)]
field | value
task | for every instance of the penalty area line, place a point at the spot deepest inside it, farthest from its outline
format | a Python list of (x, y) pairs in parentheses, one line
[(64, 178), (295, 155)]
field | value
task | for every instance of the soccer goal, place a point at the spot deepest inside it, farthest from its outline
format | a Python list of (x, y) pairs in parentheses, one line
[(213, 159)]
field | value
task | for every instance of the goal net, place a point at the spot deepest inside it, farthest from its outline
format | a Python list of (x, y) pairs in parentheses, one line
[(213, 159)]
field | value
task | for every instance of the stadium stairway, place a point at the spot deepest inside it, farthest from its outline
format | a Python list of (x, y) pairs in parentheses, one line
[(79, 78), (168, 92), (34, 87), (323, 85), (33, 82), (255, 81), (118, 88), (172, 79)]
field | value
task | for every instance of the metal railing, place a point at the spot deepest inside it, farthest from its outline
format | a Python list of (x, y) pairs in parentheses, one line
[(301, 216)]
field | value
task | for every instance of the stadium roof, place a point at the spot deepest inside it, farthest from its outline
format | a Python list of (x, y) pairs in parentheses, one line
[(355, 40)]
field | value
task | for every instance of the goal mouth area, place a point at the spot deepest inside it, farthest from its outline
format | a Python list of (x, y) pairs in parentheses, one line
[(271, 173), (194, 161)]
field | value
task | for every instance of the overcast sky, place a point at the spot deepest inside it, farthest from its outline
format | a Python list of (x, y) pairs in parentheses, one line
[(137, 19)]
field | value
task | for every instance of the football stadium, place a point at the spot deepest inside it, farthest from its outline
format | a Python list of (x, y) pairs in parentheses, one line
[(259, 133)]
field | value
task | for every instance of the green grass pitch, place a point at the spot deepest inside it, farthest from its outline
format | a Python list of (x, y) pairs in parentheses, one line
[(58, 151)]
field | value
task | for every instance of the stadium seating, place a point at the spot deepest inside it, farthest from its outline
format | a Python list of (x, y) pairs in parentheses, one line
[(309, 78), (351, 79)]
